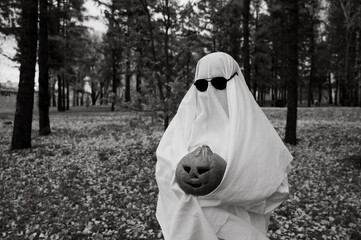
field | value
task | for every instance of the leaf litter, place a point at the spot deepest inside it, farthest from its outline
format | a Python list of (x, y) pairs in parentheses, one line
[(93, 178)]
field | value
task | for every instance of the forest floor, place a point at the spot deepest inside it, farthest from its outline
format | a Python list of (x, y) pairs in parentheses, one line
[(93, 177)]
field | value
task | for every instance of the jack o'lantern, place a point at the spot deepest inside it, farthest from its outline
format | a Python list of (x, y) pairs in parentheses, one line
[(200, 172)]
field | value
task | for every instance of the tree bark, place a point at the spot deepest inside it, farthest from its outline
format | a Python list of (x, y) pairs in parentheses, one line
[(67, 95), (114, 58), (357, 99), (329, 88), (53, 93), (344, 86), (60, 94), (319, 94), (114, 82), (25, 98), (246, 63), (127, 78), (75, 98), (138, 81), (63, 92), (336, 91), (291, 124), (168, 68), (312, 70), (44, 94)]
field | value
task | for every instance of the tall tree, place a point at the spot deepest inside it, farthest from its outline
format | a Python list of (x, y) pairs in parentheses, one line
[(291, 124), (65, 33), (44, 94), (278, 32), (25, 98), (246, 47), (351, 11), (113, 46), (357, 100), (261, 56), (344, 17), (312, 8)]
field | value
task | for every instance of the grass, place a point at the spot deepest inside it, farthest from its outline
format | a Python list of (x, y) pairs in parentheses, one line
[(93, 177)]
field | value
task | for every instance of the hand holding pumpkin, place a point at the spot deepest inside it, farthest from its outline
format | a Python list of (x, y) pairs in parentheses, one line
[(200, 172)]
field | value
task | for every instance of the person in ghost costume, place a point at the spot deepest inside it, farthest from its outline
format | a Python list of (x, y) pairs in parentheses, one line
[(231, 123)]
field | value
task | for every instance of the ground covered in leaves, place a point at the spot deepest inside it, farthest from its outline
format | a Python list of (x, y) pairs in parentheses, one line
[(93, 177)]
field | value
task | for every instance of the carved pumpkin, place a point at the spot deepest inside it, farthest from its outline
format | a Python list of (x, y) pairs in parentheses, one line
[(200, 172)]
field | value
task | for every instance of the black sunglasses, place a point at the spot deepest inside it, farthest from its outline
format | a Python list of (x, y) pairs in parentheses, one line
[(219, 83)]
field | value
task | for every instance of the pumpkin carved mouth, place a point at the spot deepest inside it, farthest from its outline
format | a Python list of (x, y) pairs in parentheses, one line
[(195, 185)]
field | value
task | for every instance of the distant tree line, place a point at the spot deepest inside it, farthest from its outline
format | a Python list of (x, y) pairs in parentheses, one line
[(150, 50)]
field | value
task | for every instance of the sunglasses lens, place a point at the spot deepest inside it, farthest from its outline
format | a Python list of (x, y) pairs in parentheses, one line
[(201, 85), (219, 83)]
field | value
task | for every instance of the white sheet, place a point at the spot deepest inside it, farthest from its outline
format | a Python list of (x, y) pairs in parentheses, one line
[(233, 125)]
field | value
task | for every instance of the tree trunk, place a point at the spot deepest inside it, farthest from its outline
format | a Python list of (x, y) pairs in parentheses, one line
[(155, 58), (138, 82), (276, 93), (255, 76), (284, 93), (246, 63), (114, 78), (105, 92), (254, 88), (101, 94), (127, 79), (94, 97), (312, 70), (25, 98), (336, 92), (329, 88), (357, 68), (75, 98), (344, 86), (167, 69), (53, 93), (60, 101), (63, 92), (291, 124), (44, 95), (67, 95)]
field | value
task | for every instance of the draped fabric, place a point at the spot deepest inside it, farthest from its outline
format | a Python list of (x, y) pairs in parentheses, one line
[(231, 123)]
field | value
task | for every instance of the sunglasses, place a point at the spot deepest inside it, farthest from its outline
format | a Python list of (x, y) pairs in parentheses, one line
[(219, 83)]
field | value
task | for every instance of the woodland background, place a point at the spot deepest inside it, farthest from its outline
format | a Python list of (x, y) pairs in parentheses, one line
[(149, 52), (81, 159)]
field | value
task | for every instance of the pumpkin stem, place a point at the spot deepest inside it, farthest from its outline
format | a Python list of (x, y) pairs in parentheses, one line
[(205, 150)]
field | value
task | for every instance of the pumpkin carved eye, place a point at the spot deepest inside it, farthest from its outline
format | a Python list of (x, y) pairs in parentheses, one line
[(203, 170), (200, 172), (187, 168)]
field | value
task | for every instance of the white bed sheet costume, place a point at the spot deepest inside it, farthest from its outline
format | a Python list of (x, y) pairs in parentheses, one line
[(232, 124)]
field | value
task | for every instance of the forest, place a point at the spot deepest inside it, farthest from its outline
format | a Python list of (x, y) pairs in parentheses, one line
[(77, 149), (146, 58)]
